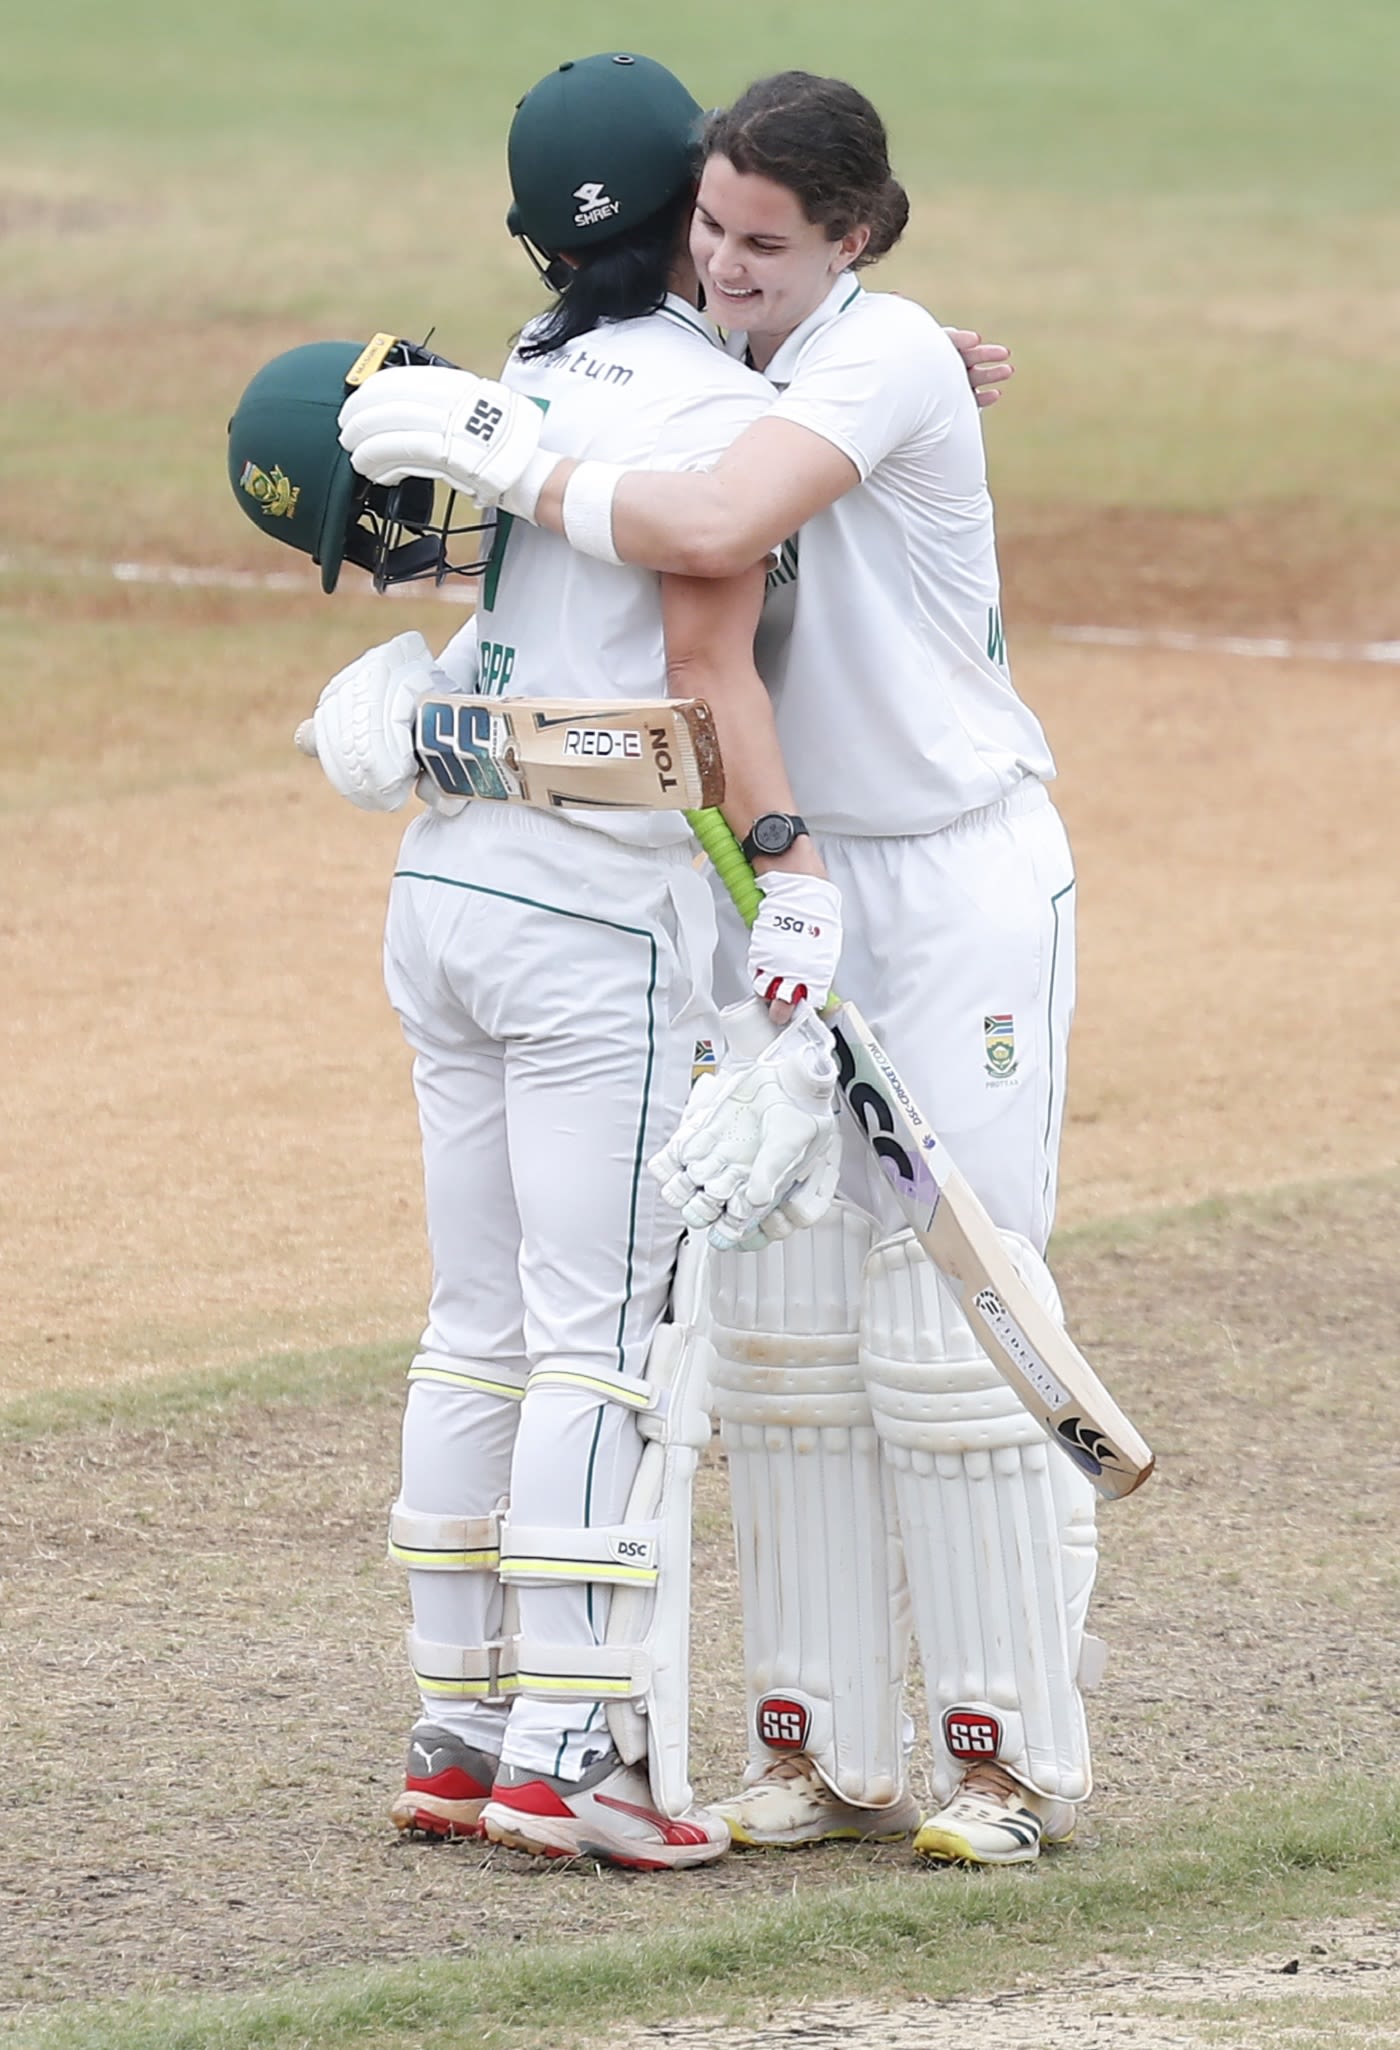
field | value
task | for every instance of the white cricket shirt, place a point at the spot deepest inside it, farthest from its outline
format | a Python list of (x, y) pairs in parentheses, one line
[(659, 393), (884, 653)]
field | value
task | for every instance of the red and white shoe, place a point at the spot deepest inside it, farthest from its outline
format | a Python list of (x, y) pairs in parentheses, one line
[(608, 1814), (446, 1784)]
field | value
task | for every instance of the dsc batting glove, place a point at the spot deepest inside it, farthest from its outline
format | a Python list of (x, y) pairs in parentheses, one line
[(796, 938)]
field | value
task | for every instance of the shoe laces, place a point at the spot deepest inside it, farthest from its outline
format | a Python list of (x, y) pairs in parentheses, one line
[(795, 1768), (992, 1781)]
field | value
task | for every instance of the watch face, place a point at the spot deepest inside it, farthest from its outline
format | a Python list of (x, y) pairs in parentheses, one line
[(773, 833)]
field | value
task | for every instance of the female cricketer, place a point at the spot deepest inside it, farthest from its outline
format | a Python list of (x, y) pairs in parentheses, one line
[(881, 1471), (552, 976)]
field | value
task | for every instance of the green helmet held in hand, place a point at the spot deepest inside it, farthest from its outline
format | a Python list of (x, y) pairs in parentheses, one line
[(294, 481)]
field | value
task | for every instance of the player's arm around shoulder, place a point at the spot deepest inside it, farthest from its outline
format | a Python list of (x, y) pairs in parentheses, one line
[(863, 386)]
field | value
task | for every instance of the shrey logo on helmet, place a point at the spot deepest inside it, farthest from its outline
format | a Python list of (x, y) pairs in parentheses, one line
[(594, 205), (598, 146)]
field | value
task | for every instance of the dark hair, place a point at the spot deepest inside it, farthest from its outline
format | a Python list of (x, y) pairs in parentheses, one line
[(618, 280), (825, 142)]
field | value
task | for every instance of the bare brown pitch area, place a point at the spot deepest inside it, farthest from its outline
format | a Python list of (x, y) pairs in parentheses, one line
[(213, 1150)]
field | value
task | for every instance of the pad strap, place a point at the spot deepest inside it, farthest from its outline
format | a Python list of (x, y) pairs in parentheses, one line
[(588, 1672), (444, 1544), (620, 1554), (464, 1672), (628, 1389), (485, 1379)]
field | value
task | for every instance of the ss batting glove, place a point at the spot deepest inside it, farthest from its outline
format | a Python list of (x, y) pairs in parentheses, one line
[(466, 431), (795, 942)]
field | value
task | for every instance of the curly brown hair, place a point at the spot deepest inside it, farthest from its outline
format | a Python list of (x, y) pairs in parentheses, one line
[(824, 141)]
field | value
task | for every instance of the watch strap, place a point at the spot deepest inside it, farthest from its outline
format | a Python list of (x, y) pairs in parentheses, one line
[(751, 848)]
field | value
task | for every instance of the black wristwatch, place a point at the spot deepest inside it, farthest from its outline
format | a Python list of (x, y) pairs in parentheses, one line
[(773, 832)]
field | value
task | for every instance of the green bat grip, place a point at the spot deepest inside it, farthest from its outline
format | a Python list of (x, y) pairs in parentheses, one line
[(712, 830)]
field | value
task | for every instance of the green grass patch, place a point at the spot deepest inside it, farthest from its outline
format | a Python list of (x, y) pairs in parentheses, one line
[(1286, 1202), (1274, 97), (1219, 1884), (1181, 215), (287, 1380)]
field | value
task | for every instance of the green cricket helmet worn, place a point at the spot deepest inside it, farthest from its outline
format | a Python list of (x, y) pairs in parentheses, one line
[(598, 146), (294, 481)]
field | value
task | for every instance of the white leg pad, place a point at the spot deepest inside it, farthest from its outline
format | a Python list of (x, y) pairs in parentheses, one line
[(998, 1531), (642, 1671), (826, 1613)]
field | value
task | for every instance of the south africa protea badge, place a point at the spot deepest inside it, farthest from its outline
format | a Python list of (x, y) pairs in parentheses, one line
[(999, 1036), (277, 495)]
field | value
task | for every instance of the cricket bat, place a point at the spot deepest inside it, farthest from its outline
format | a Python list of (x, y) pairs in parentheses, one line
[(1031, 1352), (611, 754)]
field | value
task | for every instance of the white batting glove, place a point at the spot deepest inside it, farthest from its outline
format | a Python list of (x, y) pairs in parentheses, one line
[(748, 1032), (364, 723), (805, 1204), (796, 938), (756, 1132), (467, 431)]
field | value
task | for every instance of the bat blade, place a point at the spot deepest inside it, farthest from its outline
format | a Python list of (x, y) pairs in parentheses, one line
[(1033, 1353), (615, 754)]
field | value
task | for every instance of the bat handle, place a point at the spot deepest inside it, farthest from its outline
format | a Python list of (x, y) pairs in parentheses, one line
[(306, 738), (711, 828), (715, 834)]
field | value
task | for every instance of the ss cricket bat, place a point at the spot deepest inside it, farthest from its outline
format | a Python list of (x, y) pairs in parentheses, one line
[(612, 754), (1031, 1352)]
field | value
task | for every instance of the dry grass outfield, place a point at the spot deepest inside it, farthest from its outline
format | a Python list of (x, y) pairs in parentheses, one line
[(205, 1703)]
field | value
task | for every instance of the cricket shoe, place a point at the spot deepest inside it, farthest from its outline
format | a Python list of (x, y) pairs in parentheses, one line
[(792, 1805), (446, 1784), (608, 1814), (993, 1820)]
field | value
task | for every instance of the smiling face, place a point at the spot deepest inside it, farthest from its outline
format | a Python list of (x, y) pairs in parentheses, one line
[(764, 266)]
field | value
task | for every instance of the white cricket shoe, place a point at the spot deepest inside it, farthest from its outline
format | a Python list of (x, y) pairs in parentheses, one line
[(993, 1820), (608, 1814), (792, 1805)]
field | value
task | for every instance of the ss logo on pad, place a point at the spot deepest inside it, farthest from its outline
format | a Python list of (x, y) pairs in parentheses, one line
[(782, 1723)]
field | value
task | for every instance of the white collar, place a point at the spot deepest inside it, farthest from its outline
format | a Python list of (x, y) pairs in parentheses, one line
[(844, 292), (690, 316)]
